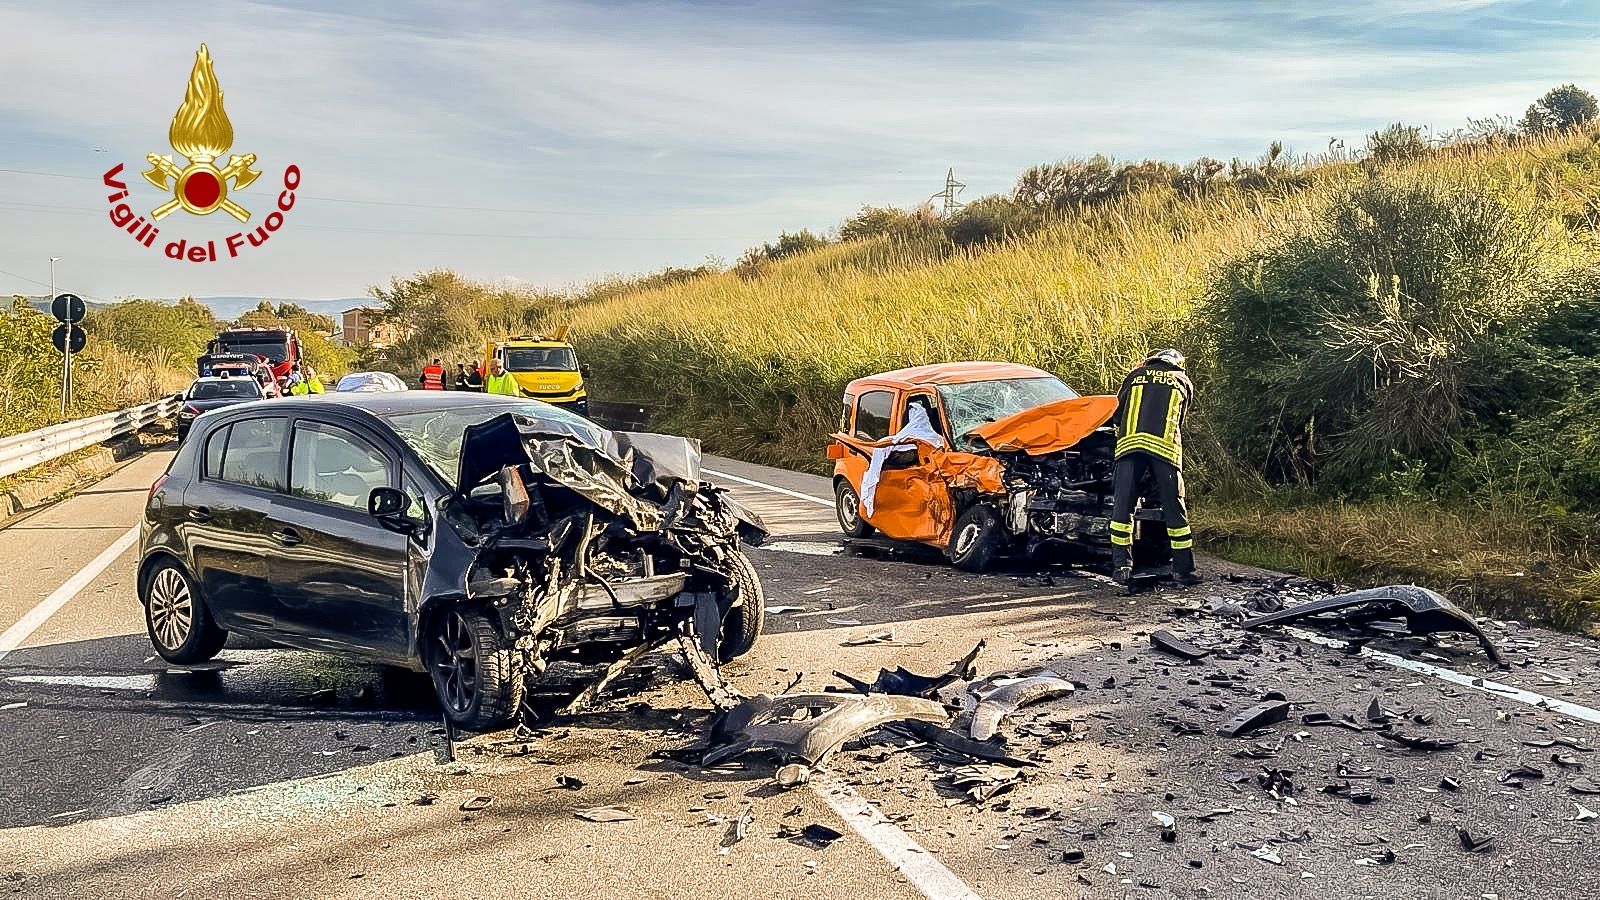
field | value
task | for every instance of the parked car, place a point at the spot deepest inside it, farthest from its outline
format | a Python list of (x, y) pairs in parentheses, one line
[(475, 537), (370, 382), (215, 392), (982, 460)]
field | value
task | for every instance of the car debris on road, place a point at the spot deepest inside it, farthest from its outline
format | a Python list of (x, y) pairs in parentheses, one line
[(1425, 612)]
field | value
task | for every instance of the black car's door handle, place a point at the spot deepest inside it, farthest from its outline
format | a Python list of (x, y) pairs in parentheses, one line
[(200, 514), (287, 537)]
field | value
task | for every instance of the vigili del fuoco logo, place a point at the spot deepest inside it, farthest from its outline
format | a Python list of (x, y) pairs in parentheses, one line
[(201, 133)]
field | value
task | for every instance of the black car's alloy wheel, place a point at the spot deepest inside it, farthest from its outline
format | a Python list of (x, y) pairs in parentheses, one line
[(175, 615), (478, 683)]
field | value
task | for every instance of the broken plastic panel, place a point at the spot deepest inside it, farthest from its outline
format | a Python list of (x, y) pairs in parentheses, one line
[(810, 727), (1424, 611)]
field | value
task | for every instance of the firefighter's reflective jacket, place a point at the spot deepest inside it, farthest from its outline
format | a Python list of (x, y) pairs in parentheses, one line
[(1151, 406)]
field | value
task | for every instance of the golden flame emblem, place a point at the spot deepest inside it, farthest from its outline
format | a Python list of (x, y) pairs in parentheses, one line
[(201, 132)]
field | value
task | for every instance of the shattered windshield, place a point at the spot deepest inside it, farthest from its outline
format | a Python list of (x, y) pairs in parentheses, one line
[(436, 434), (981, 402)]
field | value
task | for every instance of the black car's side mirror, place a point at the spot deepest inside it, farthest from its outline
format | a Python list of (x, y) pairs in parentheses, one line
[(388, 505)]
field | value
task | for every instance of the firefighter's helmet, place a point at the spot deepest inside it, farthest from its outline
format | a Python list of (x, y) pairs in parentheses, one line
[(1168, 357)]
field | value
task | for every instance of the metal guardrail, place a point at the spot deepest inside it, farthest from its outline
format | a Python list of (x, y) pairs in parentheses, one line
[(24, 451)]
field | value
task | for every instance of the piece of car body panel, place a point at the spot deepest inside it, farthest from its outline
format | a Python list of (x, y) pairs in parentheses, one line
[(1048, 428), (1425, 612), (1007, 695), (810, 727)]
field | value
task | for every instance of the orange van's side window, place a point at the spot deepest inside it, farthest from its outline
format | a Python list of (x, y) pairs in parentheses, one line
[(872, 415), (844, 415)]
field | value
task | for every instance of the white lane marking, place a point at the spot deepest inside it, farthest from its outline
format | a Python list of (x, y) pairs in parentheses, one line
[(925, 873), (771, 487), (29, 623), (102, 682), (1495, 688), (808, 548)]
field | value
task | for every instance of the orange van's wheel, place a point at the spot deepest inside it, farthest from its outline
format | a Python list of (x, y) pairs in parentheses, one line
[(974, 539), (847, 505)]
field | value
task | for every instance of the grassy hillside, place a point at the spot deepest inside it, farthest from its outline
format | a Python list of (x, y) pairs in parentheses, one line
[(1393, 354), (105, 377)]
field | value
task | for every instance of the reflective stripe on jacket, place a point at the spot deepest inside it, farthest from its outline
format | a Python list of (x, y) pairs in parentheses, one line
[(1150, 411), (502, 384), (433, 378)]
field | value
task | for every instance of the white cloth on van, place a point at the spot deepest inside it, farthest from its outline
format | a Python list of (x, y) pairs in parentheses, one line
[(918, 428)]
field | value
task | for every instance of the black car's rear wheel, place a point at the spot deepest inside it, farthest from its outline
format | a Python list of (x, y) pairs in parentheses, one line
[(176, 617), (847, 506), (478, 683), (742, 624)]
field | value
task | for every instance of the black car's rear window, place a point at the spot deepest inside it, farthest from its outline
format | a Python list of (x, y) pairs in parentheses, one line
[(233, 388)]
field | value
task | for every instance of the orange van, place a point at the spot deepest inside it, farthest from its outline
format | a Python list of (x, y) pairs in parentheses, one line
[(983, 460)]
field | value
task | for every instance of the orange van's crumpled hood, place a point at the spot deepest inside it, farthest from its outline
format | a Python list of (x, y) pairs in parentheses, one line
[(1048, 428)]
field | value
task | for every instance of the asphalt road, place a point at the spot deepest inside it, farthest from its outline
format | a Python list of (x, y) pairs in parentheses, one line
[(284, 774)]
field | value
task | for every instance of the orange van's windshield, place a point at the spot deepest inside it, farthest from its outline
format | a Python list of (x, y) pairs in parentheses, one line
[(979, 402)]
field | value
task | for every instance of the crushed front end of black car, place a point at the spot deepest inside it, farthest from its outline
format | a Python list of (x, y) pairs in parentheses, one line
[(592, 552)]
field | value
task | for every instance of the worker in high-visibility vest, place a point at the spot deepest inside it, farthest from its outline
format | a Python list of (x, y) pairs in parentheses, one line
[(314, 384), (433, 376), (1151, 407), (500, 381)]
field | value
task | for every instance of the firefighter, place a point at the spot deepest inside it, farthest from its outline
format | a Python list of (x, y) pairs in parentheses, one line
[(475, 378), (1151, 406), (433, 376), (500, 381)]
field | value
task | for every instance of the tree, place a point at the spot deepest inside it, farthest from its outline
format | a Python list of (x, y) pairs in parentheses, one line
[(1561, 107)]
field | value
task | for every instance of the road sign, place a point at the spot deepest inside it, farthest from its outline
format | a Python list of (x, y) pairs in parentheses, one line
[(68, 308), (68, 338)]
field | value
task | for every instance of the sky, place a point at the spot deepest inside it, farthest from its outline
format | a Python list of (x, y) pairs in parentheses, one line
[(554, 143)]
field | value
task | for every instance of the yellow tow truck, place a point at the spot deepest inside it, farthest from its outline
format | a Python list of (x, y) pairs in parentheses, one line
[(545, 368)]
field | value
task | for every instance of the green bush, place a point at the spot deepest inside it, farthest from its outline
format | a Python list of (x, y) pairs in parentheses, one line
[(994, 218), (892, 222), (1373, 328), (1397, 143), (178, 331)]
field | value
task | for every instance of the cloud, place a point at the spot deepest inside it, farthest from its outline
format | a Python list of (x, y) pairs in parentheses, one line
[(637, 134)]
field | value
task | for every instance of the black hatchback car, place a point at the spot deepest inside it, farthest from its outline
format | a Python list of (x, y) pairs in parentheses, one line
[(482, 539), (215, 392)]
